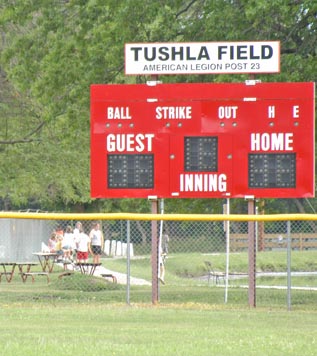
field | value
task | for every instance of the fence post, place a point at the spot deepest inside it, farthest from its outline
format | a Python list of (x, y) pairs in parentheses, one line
[(261, 242)]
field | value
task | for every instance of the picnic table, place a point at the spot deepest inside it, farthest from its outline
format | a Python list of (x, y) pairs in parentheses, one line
[(87, 268), (7, 270), (25, 269), (47, 260)]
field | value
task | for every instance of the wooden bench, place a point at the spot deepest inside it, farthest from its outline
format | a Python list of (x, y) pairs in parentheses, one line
[(108, 275), (66, 264), (267, 242), (33, 274), (65, 274)]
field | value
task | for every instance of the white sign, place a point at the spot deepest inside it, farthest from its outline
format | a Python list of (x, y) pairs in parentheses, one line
[(202, 58)]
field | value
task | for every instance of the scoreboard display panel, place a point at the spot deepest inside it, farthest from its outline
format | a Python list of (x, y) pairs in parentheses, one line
[(202, 140), (201, 154), (130, 171), (272, 170)]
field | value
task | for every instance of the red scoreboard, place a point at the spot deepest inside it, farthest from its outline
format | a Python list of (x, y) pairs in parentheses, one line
[(203, 140)]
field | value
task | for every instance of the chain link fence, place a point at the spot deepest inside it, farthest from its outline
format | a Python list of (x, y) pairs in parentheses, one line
[(194, 258)]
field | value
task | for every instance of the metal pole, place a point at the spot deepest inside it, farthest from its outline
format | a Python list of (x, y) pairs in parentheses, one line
[(252, 255), (154, 254), (256, 230), (160, 245), (227, 249), (128, 262), (289, 249)]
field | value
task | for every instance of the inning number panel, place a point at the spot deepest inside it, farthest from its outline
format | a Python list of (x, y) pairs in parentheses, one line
[(201, 154)]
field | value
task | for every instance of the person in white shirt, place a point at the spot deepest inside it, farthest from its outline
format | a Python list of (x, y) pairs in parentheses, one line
[(96, 240), (76, 233), (68, 243), (78, 226), (82, 246)]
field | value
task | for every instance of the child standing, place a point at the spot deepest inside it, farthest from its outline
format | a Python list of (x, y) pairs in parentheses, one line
[(96, 238), (82, 246), (68, 243)]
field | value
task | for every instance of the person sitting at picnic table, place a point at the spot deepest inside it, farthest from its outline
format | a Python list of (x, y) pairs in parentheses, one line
[(55, 244), (52, 242), (82, 246), (58, 247)]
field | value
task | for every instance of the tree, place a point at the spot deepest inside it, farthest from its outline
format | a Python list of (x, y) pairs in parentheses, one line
[(52, 51)]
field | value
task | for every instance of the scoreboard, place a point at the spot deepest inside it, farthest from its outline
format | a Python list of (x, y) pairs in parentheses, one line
[(202, 140)]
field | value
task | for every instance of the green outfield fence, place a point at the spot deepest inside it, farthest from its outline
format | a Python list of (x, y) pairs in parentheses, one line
[(216, 259)]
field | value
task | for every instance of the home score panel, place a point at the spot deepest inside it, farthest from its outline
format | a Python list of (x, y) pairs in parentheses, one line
[(202, 140)]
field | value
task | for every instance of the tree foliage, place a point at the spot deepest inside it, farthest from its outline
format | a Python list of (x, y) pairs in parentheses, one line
[(52, 51)]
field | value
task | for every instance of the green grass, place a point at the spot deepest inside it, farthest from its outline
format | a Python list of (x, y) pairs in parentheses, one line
[(192, 264), (183, 282), (183, 329), (84, 315)]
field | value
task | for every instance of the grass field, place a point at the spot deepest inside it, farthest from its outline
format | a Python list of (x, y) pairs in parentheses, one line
[(82, 315), (183, 329)]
